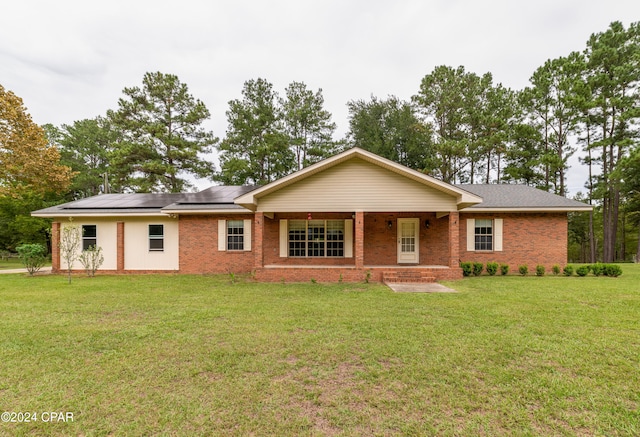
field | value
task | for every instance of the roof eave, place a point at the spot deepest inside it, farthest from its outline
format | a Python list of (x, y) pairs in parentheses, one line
[(586, 208), (206, 211), (96, 214)]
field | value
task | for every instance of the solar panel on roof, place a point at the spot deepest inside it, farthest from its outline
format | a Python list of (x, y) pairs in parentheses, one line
[(215, 195), (118, 201)]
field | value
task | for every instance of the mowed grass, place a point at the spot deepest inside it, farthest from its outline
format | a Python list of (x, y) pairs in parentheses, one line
[(198, 355), (11, 263)]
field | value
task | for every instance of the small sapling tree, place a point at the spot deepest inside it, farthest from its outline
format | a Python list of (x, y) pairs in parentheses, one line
[(91, 259), (69, 245)]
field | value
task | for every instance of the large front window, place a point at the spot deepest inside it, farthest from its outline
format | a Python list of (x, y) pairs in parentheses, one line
[(316, 238)]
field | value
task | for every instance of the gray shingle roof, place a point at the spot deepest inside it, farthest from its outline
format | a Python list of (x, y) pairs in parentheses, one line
[(520, 197), (218, 198)]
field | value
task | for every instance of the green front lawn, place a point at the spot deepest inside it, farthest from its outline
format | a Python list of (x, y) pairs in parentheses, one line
[(11, 263), (197, 355)]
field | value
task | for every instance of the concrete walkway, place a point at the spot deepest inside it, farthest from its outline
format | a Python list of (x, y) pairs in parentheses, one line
[(44, 270), (430, 287)]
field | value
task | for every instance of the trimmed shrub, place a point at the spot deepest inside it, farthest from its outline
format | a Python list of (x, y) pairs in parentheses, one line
[(523, 269), (540, 270), (597, 269), (504, 269), (33, 256), (467, 268), (492, 268), (477, 269), (555, 269), (582, 271), (612, 270), (568, 270)]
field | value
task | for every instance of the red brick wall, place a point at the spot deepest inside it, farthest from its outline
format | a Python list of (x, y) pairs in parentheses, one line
[(380, 245), (454, 239), (120, 246), (530, 239), (199, 246), (55, 247)]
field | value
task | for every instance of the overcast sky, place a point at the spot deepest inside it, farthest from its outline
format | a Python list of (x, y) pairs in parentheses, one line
[(69, 60)]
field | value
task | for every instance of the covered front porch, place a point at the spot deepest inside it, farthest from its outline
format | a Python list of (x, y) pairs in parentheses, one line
[(357, 246), (366, 217)]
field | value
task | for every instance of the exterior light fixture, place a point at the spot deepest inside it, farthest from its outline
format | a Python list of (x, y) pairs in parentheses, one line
[(389, 224)]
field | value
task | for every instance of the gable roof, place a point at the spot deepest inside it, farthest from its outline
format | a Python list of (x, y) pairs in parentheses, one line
[(506, 197), (245, 199), (462, 197)]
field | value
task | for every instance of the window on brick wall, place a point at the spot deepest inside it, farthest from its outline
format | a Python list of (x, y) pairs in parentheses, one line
[(156, 238), (89, 236), (316, 238), (234, 235), (484, 235)]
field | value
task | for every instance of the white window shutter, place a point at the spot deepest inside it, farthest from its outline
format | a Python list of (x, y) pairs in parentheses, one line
[(247, 234), (222, 235), (471, 235), (284, 233), (497, 233), (348, 238)]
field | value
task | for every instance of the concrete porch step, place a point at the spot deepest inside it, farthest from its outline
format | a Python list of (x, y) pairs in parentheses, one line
[(408, 276)]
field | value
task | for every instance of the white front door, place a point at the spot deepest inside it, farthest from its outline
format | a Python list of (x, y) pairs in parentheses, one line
[(408, 241)]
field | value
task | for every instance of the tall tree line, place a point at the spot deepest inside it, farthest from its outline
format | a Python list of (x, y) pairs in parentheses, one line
[(470, 130)]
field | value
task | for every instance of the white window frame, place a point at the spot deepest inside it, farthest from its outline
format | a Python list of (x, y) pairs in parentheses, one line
[(223, 236), (347, 239)]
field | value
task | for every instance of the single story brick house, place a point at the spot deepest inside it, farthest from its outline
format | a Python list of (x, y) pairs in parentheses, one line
[(350, 217)]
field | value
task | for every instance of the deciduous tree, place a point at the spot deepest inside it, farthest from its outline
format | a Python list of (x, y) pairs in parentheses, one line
[(28, 164), (392, 129)]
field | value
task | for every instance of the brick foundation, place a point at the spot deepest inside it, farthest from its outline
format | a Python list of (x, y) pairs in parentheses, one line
[(346, 274)]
